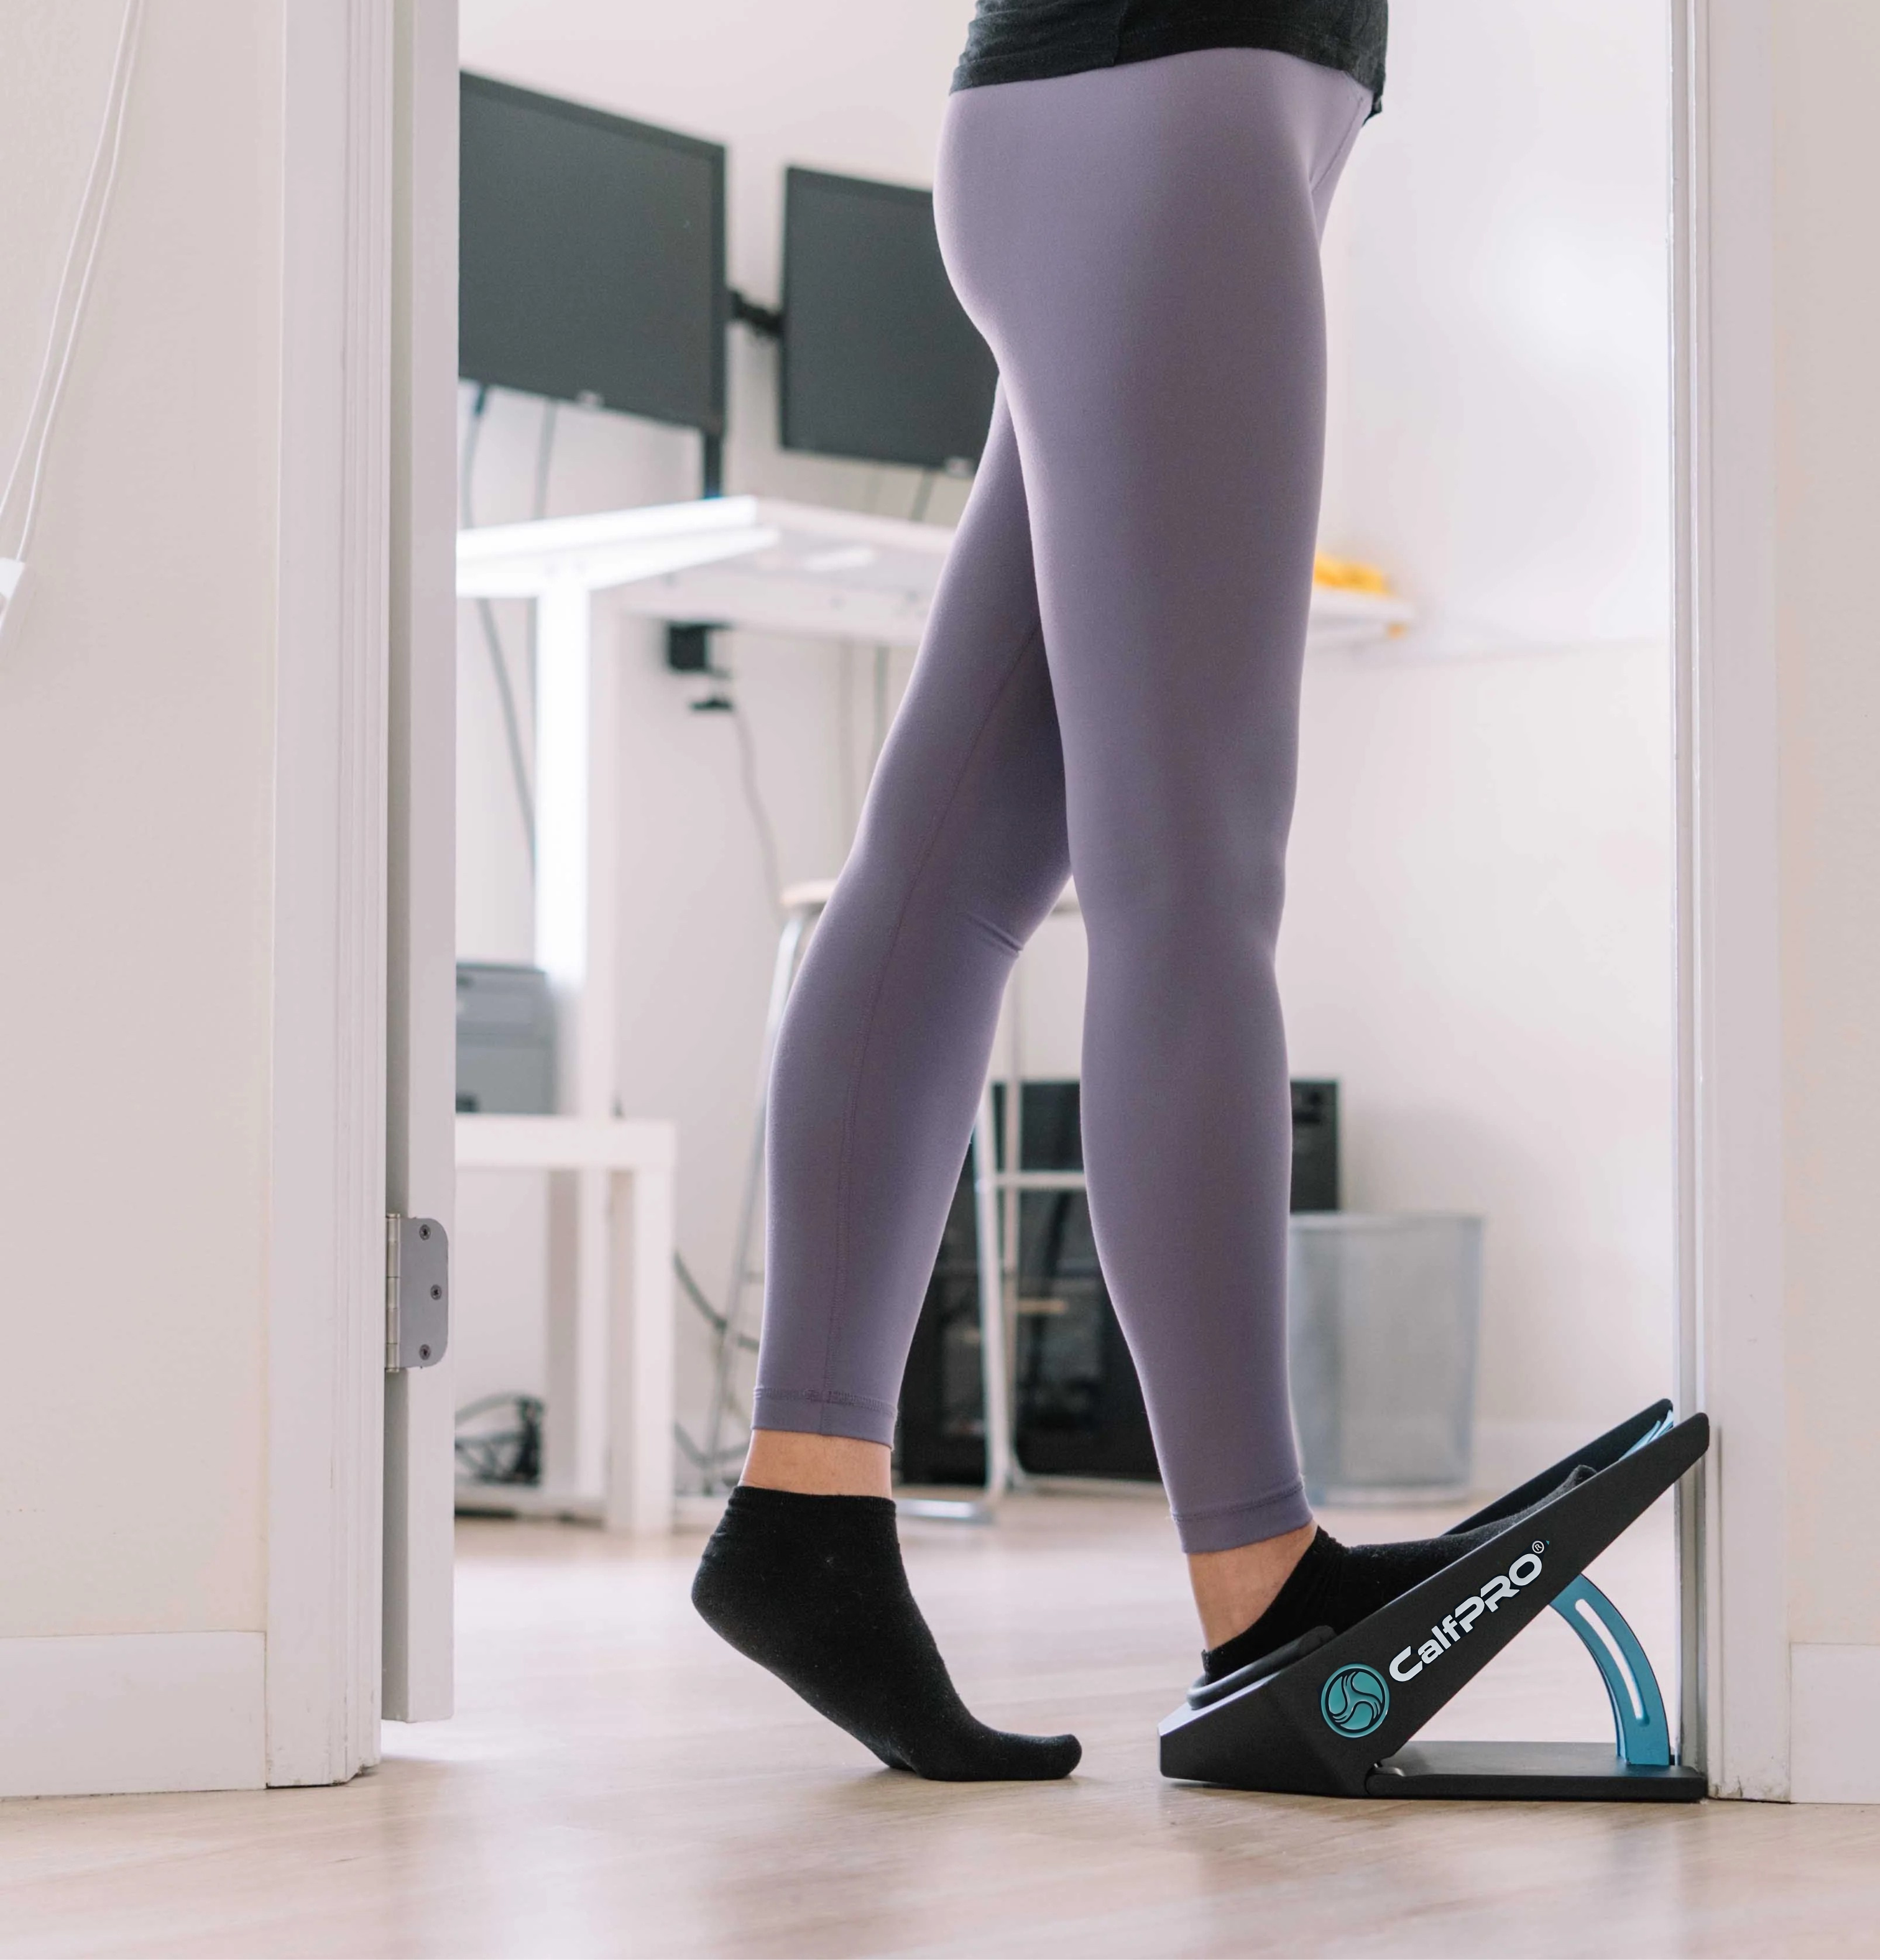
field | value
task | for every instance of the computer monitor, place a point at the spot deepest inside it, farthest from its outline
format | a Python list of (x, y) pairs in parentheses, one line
[(879, 362), (591, 257)]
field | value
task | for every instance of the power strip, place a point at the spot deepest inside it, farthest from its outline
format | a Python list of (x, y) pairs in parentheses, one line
[(15, 587)]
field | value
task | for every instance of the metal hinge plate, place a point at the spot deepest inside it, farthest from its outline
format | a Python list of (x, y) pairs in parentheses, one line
[(417, 1293)]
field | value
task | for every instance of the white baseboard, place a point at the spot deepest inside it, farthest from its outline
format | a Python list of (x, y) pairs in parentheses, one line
[(98, 1714), (1834, 1724), (1508, 1453)]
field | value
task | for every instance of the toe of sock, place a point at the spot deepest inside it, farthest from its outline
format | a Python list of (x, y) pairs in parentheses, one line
[(993, 1756), (1049, 1757)]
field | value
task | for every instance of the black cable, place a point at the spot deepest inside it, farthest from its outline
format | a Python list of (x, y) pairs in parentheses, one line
[(747, 1344), (545, 455), (512, 1455), (466, 463), (712, 1317), (505, 690), (545, 451), (760, 816), (697, 1456)]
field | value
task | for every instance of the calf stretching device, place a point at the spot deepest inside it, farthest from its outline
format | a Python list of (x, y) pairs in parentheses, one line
[(1334, 1716)]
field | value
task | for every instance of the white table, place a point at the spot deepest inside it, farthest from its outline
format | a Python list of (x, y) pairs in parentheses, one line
[(608, 1422)]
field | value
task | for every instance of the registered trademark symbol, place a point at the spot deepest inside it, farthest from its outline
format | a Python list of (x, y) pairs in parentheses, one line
[(1540, 1546)]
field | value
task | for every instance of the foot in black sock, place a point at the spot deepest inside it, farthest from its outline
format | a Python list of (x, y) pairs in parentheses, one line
[(1336, 1585), (813, 1589)]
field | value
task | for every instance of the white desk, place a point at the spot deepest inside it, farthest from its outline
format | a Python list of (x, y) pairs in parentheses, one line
[(608, 1422), (750, 561), (773, 567), (754, 563)]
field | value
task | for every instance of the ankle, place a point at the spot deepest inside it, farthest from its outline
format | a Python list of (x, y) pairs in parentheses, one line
[(818, 1466), (1233, 1589)]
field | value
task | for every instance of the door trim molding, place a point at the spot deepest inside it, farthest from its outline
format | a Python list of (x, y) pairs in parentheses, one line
[(1734, 1698), (325, 1309), (421, 1168)]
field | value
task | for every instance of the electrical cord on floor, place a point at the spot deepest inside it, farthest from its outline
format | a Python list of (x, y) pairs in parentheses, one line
[(712, 1317), (732, 1453), (492, 638), (722, 1403), (507, 1456), (707, 1466), (720, 700)]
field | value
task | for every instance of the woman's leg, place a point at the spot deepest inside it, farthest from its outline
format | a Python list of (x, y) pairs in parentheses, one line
[(1139, 244), (961, 853)]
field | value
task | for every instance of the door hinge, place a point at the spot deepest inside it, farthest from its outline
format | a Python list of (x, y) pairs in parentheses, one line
[(417, 1293)]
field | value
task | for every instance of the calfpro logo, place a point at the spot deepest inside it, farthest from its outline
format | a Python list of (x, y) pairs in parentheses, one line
[(1451, 1628), (1354, 1701)]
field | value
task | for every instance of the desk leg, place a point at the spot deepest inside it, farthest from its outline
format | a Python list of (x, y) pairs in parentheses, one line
[(575, 1421), (561, 1423), (591, 1296), (995, 1375), (639, 1381)]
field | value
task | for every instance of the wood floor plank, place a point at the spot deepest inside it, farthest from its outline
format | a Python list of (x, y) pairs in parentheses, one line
[(619, 1783)]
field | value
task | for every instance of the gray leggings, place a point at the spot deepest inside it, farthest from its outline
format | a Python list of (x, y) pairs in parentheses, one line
[(1109, 685)]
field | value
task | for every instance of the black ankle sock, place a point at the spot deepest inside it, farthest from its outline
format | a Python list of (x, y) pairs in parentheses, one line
[(1336, 1585), (813, 1589)]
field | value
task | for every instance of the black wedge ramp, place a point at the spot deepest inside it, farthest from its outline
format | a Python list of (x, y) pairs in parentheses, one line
[(1332, 1722)]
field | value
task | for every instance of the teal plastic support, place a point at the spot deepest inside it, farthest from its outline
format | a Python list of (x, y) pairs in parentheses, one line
[(1638, 1709), (1666, 1423)]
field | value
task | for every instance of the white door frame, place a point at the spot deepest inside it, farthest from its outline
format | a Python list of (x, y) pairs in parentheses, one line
[(326, 1283), (360, 1462), (421, 1168), (1734, 1698)]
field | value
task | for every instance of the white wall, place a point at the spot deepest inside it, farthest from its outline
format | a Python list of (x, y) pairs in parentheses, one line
[(136, 780), (1496, 277), (1479, 945), (1827, 511), (1478, 937)]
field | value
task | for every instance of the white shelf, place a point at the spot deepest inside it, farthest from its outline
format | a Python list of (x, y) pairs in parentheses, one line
[(608, 1428), (771, 566)]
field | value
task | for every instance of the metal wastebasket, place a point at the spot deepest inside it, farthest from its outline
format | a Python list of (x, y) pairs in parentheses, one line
[(1382, 1315)]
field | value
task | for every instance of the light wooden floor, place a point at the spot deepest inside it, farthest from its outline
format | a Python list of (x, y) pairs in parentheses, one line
[(617, 1783)]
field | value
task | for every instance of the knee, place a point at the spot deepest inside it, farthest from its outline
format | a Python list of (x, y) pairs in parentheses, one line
[(1194, 905)]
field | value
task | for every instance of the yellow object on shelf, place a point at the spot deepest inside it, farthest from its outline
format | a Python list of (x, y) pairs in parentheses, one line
[(1347, 574)]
